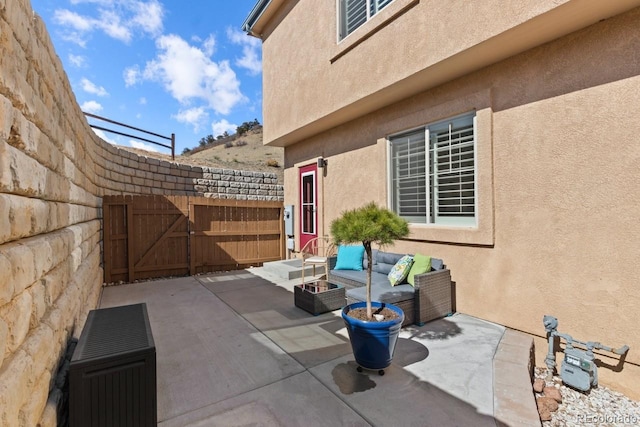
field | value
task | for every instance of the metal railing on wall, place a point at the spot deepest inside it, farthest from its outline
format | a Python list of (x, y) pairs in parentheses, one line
[(171, 138)]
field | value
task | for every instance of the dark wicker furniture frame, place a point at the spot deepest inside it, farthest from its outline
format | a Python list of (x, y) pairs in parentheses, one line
[(319, 302), (431, 300)]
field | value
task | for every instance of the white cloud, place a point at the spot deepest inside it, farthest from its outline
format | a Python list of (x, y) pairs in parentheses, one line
[(119, 19), (209, 45), (110, 22), (104, 137), (75, 37), (148, 16), (131, 75), (91, 107), (143, 101), (235, 36), (77, 60), (142, 146), (189, 74), (71, 19), (221, 126), (250, 59), (89, 87), (103, 2), (192, 116)]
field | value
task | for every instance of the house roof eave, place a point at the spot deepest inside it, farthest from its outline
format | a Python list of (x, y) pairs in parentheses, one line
[(254, 16), (568, 18), (261, 13)]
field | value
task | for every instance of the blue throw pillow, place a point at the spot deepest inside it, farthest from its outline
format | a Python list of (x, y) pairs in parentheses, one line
[(350, 257)]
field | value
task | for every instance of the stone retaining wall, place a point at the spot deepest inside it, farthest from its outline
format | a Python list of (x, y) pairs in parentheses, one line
[(53, 173), (122, 172)]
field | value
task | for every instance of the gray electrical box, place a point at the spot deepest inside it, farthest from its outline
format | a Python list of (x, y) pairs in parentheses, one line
[(288, 220)]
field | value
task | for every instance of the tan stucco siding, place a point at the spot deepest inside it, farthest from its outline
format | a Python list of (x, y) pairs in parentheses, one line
[(563, 187), (409, 46)]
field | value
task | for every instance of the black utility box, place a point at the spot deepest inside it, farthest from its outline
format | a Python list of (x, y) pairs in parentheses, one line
[(112, 375)]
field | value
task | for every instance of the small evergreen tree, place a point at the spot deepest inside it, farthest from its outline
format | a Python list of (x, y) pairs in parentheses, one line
[(369, 224)]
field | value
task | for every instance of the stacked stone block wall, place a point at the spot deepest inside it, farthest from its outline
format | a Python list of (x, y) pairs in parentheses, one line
[(119, 171), (54, 172)]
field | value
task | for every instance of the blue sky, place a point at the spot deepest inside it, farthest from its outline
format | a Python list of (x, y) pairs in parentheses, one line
[(167, 66)]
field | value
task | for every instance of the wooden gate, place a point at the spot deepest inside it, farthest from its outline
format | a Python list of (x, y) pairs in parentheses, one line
[(161, 236)]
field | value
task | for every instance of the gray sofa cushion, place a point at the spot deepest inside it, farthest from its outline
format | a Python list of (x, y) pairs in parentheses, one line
[(378, 279), (361, 276), (385, 262), (437, 264), (374, 255), (383, 292), (382, 263)]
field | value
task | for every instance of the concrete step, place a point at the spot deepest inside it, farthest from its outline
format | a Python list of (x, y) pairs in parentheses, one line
[(291, 269)]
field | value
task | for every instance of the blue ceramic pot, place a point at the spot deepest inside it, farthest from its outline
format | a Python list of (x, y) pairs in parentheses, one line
[(372, 342)]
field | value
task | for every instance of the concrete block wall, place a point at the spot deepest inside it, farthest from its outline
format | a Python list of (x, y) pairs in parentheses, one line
[(119, 171), (54, 172)]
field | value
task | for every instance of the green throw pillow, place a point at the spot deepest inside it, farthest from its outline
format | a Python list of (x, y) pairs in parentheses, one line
[(421, 264), (399, 271)]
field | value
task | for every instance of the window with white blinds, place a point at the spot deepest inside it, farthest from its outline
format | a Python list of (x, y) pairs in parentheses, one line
[(433, 176), (354, 13)]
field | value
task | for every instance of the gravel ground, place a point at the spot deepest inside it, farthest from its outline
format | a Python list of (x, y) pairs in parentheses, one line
[(599, 407)]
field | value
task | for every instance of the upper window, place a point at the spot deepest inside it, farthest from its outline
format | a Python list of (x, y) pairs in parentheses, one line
[(433, 176), (354, 13)]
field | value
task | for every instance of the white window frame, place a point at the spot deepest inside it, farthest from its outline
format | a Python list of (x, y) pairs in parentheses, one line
[(430, 215), (372, 7), (313, 204)]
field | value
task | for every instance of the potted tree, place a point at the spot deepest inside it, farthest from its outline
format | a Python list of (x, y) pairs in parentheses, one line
[(373, 326)]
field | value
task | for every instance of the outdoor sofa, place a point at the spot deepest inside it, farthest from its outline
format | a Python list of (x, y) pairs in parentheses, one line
[(428, 299)]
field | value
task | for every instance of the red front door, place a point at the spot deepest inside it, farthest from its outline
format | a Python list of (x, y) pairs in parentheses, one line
[(308, 204)]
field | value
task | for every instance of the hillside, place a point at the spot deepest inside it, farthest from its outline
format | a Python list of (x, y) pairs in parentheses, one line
[(242, 153)]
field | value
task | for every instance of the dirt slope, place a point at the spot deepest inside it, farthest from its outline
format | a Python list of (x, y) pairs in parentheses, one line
[(242, 153)]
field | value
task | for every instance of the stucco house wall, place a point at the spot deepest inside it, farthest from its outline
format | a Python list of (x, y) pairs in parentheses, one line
[(557, 153)]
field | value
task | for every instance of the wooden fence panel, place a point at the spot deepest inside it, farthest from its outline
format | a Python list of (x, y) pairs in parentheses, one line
[(161, 236), (115, 239), (234, 234)]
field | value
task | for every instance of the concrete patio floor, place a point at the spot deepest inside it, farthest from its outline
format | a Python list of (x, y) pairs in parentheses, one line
[(233, 350)]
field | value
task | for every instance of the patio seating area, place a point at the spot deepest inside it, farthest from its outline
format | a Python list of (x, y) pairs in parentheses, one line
[(233, 349)]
